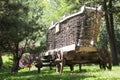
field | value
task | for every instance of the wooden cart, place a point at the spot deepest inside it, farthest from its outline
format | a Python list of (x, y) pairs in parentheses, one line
[(73, 39)]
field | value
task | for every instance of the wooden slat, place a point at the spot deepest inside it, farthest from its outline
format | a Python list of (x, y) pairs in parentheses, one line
[(86, 49), (85, 61)]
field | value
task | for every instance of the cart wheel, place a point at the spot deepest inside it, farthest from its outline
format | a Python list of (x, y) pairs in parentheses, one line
[(80, 67), (58, 66), (109, 65), (105, 59), (71, 67), (60, 63), (108, 61)]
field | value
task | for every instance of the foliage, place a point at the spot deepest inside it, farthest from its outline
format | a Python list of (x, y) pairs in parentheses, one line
[(21, 26), (102, 37), (117, 24), (36, 21), (54, 10), (21, 23)]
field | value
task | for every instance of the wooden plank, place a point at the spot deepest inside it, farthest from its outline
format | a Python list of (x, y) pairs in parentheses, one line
[(86, 49), (84, 61)]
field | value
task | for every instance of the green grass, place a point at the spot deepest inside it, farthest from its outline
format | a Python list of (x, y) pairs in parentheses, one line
[(87, 73), (91, 72)]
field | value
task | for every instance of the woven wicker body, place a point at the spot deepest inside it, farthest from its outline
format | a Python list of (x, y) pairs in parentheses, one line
[(76, 32)]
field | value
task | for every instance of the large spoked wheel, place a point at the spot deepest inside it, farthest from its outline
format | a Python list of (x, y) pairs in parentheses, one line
[(105, 59), (109, 62), (105, 64), (60, 61)]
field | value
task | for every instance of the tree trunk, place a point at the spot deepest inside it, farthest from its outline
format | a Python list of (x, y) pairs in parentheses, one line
[(1, 61), (110, 30), (113, 41), (16, 58), (15, 67)]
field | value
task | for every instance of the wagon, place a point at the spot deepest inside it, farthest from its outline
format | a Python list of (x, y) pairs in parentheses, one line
[(73, 39)]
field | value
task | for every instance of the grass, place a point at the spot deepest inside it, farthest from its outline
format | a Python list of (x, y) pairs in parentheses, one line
[(91, 72)]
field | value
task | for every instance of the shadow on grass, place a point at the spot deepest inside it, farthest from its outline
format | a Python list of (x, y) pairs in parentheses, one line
[(45, 74)]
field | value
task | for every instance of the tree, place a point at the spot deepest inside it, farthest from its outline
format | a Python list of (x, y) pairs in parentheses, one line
[(20, 29), (14, 29), (110, 29)]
